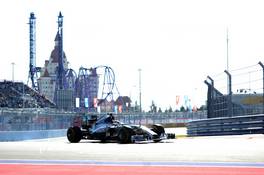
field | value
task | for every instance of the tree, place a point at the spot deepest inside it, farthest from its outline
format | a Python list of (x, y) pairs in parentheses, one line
[(202, 108), (153, 107), (182, 109), (170, 109)]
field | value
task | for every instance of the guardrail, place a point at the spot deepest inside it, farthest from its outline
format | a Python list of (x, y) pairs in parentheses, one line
[(251, 124)]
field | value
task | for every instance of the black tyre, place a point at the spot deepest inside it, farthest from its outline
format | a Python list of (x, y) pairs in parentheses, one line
[(158, 129), (171, 136), (124, 136), (74, 134)]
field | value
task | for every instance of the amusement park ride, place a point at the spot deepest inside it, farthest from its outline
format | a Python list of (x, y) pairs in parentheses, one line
[(33, 70), (85, 85)]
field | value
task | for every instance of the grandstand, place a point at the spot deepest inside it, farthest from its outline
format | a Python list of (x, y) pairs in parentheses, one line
[(19, 95)]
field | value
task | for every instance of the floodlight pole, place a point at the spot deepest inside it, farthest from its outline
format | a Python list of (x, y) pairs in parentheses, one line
[(227, 51), (13, 71), (140, 104)]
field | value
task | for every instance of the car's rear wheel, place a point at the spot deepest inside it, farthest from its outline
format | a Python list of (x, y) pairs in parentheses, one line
[(124, 136), (74, 134)]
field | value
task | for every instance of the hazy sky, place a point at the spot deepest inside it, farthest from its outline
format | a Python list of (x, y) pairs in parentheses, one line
[(175, 43)]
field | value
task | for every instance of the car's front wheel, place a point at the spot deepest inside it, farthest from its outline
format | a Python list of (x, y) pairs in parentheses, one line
[(158, 129)]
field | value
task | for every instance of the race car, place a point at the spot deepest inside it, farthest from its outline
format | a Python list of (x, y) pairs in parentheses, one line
[(106, 128)]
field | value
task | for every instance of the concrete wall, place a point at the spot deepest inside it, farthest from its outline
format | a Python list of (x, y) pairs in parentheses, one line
[(28, 135)]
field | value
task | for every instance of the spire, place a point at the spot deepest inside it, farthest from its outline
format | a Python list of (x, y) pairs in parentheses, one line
[(60, 15), (57, 37), (61, 71)]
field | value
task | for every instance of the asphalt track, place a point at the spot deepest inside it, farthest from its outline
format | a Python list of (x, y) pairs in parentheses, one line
[(185, 156)]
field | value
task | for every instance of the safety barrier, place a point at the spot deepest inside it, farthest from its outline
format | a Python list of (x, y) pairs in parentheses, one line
[(28, 135), (46, 119), (35, 123), (251, 124)]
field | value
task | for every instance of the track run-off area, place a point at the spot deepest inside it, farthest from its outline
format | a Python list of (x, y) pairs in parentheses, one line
[(186, 156)]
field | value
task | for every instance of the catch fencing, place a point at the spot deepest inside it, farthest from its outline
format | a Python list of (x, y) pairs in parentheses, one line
[(236, 92), (160, 118), (235, 103), (29, 119)]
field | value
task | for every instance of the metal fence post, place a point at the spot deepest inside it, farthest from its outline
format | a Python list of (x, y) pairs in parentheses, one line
[(260, 63), (230, 106), (210, 97)]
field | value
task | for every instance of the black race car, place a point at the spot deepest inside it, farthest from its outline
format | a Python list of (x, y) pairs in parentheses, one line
[(107, 128)]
